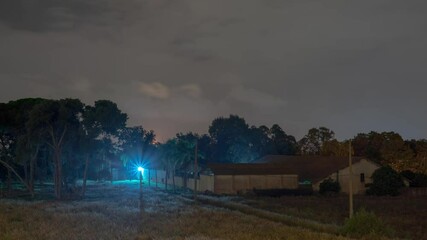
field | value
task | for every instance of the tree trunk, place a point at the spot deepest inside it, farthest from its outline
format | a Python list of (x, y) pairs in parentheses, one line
[(10, 170), (56, 145), (156, 178), (166, 180), (58, 174), (85, 177), (173, 179), (26, 177), (111, 171), (9, 181), (33, 162)]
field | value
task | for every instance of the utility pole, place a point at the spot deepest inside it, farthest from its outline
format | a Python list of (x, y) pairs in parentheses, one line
[(195, 172), (350, 179)]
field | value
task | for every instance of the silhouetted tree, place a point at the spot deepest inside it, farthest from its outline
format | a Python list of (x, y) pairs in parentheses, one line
[(283, 143), (231, 139), (312, 142)]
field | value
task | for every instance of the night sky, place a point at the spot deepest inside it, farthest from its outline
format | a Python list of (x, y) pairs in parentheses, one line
[(174, 66)]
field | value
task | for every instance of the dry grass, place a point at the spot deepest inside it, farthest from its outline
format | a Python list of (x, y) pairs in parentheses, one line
[(111, 212), (406, 215)]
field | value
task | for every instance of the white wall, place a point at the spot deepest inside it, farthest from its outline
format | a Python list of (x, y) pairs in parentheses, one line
[(362, 167)]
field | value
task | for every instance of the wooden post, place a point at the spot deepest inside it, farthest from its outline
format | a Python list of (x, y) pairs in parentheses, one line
[(149, 177), (195, 172), (141, 202), (350, 180), (156, 178)]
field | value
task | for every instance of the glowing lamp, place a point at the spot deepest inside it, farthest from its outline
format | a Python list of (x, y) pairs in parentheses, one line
[(141, 169)]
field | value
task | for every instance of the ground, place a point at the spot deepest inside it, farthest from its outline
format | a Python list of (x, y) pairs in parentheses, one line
[(111, 211)]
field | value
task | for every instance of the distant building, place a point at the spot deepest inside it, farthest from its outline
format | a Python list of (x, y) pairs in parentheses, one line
[(315, 169), (238, 178), (279, 171)]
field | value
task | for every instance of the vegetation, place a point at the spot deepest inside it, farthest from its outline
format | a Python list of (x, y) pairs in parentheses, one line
[(365, 223), (385, 181), (328, 186), (403, 214), (64, 140), (415, 179), (113, 209)]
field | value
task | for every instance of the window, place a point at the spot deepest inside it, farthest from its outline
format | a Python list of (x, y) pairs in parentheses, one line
[(362, 177)]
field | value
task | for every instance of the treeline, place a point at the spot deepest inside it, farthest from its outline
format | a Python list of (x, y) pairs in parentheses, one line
[(65, 140)]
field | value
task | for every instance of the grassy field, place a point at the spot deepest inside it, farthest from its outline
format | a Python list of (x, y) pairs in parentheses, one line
[(111, 211), (407, 215)]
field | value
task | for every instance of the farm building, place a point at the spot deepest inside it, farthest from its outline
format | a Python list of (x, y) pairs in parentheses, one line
[(274, 172), (315, 169), (238, 178)]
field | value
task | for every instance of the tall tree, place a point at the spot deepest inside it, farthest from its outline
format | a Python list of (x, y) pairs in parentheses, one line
[(56, 121), (15, 115), (102, 124), (284, 144), (312, 142), (231, 138)]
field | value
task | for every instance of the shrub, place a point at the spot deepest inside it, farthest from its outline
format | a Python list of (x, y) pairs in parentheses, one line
[(365, 223), (415, 179), (329, 186), (385, 181)]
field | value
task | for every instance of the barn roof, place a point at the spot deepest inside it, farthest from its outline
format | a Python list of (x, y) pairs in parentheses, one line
[(312, 168)]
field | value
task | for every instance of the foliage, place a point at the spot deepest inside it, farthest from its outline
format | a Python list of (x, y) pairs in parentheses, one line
[(386, 181), (313, 141), (283, 143), (387, 148), (231, 139), (415, 179), (329, 186), (365, 223), (335, 148)]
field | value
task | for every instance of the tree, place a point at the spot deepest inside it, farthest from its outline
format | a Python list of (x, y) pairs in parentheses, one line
[(283, 143), (312, 142), (335, 148), (386, 181), (231, 140), (260, 141), (387, 148), (56, 122), (102, 125), (169, 158), (27, 144)]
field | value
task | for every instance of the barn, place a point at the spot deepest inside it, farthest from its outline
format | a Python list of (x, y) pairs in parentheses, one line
[(290, 172), (315, 169), (239, 178)]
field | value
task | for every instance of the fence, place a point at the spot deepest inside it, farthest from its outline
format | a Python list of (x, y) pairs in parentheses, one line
[(203, 183)]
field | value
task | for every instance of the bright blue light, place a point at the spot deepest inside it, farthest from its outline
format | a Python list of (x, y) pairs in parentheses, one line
[(141, 169)]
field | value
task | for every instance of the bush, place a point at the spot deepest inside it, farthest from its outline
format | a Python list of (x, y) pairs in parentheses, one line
[(365, 223), (415, 179), (385, 181), (329, 186)]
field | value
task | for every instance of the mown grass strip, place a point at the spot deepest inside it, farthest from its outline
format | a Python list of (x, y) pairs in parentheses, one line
[(285, 219)]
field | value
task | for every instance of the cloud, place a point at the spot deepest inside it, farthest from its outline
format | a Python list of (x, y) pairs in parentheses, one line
[(257, 98), (155, 90), (192, 90)]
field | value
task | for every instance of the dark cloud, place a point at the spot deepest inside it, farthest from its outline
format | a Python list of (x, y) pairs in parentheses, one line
[(51, 15), (176, 65)]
